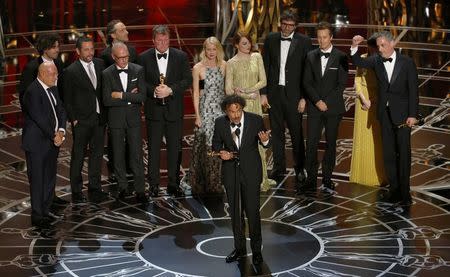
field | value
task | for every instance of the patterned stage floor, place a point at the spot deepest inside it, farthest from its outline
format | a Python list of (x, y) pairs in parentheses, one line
[(329, 233)]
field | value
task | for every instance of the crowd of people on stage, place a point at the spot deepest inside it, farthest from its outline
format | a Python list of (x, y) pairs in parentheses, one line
[(288, 79)]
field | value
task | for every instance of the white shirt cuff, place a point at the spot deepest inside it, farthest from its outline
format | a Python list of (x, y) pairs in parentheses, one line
[(353, 50), (265, 142)]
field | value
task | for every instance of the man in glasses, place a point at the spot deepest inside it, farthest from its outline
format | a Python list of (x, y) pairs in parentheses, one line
[(123, 93), (284, 59)]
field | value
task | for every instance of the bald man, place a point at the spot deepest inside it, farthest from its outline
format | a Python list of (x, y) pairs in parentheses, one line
[(42, 135)]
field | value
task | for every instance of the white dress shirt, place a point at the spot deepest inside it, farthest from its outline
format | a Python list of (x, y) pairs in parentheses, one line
[(162, 63), (284, 50), (237, 139), (53, 103), (323, 60), (124, 80)]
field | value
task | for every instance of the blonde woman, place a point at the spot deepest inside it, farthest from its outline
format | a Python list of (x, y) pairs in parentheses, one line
[(208, 92), (245, 76)]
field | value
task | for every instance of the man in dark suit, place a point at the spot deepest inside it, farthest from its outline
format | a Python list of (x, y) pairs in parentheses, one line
[(116, 31), (47, 46), (84, 106), (43, 134), (397, 109), (284, 58), (236, 137), (167, 75), (123, 93), (325, 77)]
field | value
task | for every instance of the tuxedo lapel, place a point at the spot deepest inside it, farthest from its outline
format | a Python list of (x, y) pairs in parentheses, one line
[(383, 69), (245, 132), (397, 68), (277, 48), (317, 65), (171, 63), (154, 64), (83, 75), (329, 62), (294, 44)]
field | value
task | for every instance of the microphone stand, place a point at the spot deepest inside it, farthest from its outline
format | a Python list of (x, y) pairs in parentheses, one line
[(237, 183)]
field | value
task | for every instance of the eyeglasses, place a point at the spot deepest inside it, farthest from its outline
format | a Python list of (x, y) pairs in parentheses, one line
[(288, 25)]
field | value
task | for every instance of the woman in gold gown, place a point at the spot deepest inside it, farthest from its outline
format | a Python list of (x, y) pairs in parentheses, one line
[(245, 76), (367, 157)]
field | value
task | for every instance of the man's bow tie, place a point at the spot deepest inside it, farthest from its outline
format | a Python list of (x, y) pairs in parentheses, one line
[(286, 39), (326, 55), (122, 70), (387, 60), (163, 55), (235, 125)]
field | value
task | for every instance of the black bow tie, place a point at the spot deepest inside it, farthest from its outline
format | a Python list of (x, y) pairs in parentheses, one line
[(235, 125), (163, 55), (122, 70), (326, 55), (387, 60), (286, 39)]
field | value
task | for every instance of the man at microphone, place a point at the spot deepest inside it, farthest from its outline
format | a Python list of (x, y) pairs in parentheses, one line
[(235, 140)]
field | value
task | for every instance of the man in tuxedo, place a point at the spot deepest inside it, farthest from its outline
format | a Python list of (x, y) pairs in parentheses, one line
[(43, 133), (284, 58), (167, 75), (325, 77), (84, 106), (397, 109), (235, 139), (47, 46), (123, 93), (116, 31)]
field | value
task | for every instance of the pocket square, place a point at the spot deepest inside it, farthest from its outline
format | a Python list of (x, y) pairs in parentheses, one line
[(333, 68), (132, 80)]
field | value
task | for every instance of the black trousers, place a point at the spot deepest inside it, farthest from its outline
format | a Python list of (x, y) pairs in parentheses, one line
[(87, 134), (132, 136), (248, 205), (316, 124), (285, 111), (172, 130), (41, 171), (396, 155)]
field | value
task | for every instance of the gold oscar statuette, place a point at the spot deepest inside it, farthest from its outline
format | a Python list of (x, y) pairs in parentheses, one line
[(162, 79)]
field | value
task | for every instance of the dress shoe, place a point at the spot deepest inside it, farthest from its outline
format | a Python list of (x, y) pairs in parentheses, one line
[(276, 175), (257, 261), (123, 194), (174, 191), (304, 188), (59, 201), (389, 197), (154, 190), (328, 184), (78, 198), (234, 256), (98, 196), (141, 197), (406, 202), (44, 222), (301, 178)]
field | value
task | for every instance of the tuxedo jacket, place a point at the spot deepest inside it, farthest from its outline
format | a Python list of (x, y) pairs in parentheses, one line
[(108, 60), (299, 48), (249, 157), (125, 112), (30, 72), (401, 92), (330, 87), (178, 78), (80, 95), (39, 126)]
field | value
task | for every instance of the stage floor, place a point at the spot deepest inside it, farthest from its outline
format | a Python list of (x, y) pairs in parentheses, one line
[(345, 232)]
